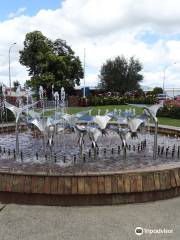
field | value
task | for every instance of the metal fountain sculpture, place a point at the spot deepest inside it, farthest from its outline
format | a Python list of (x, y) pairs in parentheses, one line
[(150, 113), (130, 131), (48, 128), (99, 130), (72, 124), (92, 126), (17, 112)]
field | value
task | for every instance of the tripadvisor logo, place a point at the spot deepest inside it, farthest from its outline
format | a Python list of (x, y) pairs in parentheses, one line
[(139, 231)]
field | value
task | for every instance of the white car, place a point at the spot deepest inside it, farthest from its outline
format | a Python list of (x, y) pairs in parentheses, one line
[(163, 96)]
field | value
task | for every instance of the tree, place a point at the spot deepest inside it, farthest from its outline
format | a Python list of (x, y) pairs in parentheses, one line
[(121, 75), (157, 90), (16, 84), (50, 63)]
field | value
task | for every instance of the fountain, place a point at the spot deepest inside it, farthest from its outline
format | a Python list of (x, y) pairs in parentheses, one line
[(60, 158)]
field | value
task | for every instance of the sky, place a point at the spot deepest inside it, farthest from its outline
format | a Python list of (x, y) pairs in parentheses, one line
[(146, 29)]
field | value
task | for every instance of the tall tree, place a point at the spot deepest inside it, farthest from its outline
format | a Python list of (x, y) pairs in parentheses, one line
[(121, 75), (50, 63)]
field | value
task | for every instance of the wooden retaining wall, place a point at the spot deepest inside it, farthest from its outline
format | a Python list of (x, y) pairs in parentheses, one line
[(94, 189)]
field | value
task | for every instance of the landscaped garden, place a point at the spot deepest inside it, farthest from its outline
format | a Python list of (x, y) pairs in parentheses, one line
[(102, 110)]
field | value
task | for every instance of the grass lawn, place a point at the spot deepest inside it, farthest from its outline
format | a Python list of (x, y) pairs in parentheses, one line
[(169, 121), (162, 120)]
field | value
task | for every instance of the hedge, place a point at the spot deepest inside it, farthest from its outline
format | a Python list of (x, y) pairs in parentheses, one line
[(101, 101), (171, 112), (7, 116)]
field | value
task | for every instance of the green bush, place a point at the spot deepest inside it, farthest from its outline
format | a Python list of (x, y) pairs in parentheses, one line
[(7, 116), (149, 100), (101, 101), (171, 112)]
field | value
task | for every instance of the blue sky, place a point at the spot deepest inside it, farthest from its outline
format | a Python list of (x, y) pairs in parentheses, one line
[(152, 38), (31, 6)]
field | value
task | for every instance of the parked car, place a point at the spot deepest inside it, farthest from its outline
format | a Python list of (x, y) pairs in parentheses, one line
[(162, 96), (177, 98)]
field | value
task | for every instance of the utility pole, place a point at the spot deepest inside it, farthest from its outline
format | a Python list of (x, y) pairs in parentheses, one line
[(10, 66)]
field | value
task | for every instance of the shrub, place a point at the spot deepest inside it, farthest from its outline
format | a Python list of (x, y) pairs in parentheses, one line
[(7, 116), (171, 112), (149, 100), (101, 101)]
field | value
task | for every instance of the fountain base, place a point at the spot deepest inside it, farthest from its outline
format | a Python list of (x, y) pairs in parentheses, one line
[(135, 186)]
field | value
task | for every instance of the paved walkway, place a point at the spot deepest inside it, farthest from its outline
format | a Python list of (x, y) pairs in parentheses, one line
[(20, 222)]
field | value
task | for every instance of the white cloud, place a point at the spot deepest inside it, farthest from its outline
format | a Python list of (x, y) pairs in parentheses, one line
[(17, 13), (106, 29)]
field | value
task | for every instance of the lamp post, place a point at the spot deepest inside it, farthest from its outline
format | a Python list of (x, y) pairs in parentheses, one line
[(84, 90), (10, 66), (164, 71)]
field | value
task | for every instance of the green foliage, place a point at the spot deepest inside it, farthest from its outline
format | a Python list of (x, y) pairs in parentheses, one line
[(50, 63), (171, 112), (121, 75), (102, 101), (8, 117), (157, 90), (149, 100)]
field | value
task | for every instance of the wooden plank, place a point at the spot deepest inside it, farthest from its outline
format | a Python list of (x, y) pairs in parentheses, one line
[(133, 183), (94, 185), (172, 178), (54, 185), (61, 185), (18, 183), (27, 184), (67, 185), (87, 185), (168, 182), (139, 183), (127, 183), (176, 174), (34, 184), (157, 185), (120, 184), (114, 183), (81, 185), (165, 180), (3, 182), (162, 180), (101, 187), (108, 188), (74, 185), (37, 184), (136, 183), (47, 185), (9, 183), (148, 182)]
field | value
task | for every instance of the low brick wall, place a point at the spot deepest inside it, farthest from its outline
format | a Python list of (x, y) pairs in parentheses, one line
[(95, 189)]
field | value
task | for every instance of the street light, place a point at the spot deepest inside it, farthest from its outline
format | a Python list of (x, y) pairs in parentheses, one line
[(84, 89), (165, 73), (10, 65)]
